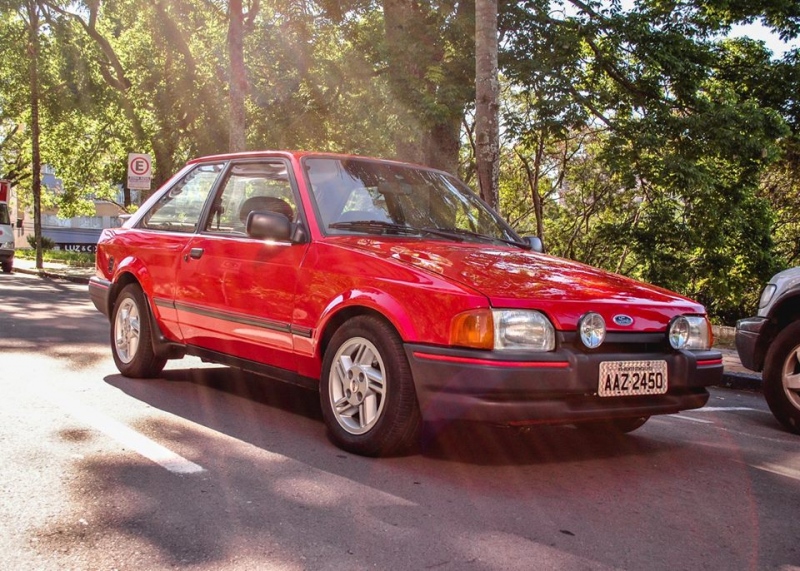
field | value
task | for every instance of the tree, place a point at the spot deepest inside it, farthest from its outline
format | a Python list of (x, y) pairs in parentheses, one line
[(239, 22), (487, 100), (29, 11), (677, 133), (424, 50), (14, 100)]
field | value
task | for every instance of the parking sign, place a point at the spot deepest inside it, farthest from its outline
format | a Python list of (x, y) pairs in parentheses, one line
[(139, 171)]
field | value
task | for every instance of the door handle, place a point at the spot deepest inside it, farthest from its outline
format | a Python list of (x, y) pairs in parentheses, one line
[(194, 253)]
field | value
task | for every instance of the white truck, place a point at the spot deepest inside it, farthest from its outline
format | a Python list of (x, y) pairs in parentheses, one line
[(6, 231)]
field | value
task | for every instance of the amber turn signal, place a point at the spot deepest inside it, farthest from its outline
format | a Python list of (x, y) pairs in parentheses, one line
[(474, 329)]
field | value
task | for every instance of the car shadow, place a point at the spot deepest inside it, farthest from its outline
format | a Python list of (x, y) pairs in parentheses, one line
[(285, 412)]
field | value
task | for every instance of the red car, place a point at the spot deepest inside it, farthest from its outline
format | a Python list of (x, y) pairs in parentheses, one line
[(397, 293)]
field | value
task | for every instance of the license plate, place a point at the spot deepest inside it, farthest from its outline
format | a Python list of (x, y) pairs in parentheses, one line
[(631, 378)]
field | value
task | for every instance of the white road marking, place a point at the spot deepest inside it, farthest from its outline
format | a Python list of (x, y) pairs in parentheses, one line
[(711, 409), (725, 409), (690, 419), (779, 470), (125, 435)]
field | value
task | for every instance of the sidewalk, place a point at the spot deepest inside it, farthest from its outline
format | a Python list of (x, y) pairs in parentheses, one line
[(735, 376), (54, 270)]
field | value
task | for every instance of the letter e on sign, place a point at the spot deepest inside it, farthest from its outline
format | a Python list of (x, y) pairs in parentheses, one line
[(139, 171)]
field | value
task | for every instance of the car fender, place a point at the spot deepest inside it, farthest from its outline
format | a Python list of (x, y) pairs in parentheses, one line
[(132, 269), (163, 318), (345, 305), (371, 299)]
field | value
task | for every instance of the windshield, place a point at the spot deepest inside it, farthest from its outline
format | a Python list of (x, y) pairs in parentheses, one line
[(351, 192), (4, 219)]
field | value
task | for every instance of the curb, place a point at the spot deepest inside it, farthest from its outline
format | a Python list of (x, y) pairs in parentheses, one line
[(52, 275), (741, 381)]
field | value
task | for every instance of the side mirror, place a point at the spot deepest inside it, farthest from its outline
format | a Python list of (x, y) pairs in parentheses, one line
[(535, 243), (266, 225)]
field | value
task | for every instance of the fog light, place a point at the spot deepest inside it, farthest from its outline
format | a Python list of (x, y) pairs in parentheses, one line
[(592, 329)]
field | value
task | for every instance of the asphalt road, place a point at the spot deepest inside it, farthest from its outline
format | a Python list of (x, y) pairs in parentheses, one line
[(207, 468)]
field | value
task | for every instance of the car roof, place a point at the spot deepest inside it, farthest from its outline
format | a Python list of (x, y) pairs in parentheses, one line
[(293, 154)]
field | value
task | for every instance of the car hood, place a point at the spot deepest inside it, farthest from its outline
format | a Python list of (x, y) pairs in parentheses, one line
[(514, 278)]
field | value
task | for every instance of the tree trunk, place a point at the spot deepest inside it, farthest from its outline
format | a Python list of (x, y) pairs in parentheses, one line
[(238, 76), (33, 70), (411, 51), (443, 145), (487, 101), (533, 175)]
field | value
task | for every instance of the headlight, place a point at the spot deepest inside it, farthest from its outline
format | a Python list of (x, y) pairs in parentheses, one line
[(503, 330), (690, 332), (7, 245), (766, 295)]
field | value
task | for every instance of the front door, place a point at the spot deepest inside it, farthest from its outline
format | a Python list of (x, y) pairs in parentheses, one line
[(235, 293)]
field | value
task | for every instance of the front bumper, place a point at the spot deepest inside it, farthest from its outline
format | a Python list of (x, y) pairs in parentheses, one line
[(560, 388), (751, 334), (6, 254)]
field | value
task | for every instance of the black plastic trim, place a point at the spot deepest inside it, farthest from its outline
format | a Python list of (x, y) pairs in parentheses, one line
[(99, 292), (269, 371)]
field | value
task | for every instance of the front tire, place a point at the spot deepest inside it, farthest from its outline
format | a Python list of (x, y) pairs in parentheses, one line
[(131, 336), (367, 392), (782, 377), (7, 267)]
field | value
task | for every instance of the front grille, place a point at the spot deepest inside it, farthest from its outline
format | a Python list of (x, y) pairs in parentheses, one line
[(616, 343)]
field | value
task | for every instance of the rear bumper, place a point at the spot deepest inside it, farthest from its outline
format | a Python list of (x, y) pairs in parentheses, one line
[(99, 290), (560, 388)]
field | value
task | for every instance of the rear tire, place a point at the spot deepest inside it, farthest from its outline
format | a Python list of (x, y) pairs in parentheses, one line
[(367, 393), (782, 377), (131, 336)]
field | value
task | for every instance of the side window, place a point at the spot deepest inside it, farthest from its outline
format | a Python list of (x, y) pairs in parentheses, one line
[(262, 185), (179, 209)]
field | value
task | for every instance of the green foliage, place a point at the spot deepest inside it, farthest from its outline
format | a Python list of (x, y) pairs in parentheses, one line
[(636, 139), (76, 259), (681, 129), (47, 243)]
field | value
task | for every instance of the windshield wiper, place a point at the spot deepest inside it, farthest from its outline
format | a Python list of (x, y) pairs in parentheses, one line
[(374, 227), (461, 232), (381, 227)]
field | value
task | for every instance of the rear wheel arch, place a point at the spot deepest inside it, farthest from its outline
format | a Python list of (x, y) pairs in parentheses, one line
[(122, 281), (162, 347), (132, 333)]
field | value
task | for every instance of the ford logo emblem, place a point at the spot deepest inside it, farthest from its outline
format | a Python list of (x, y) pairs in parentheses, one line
[(623, 320)]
